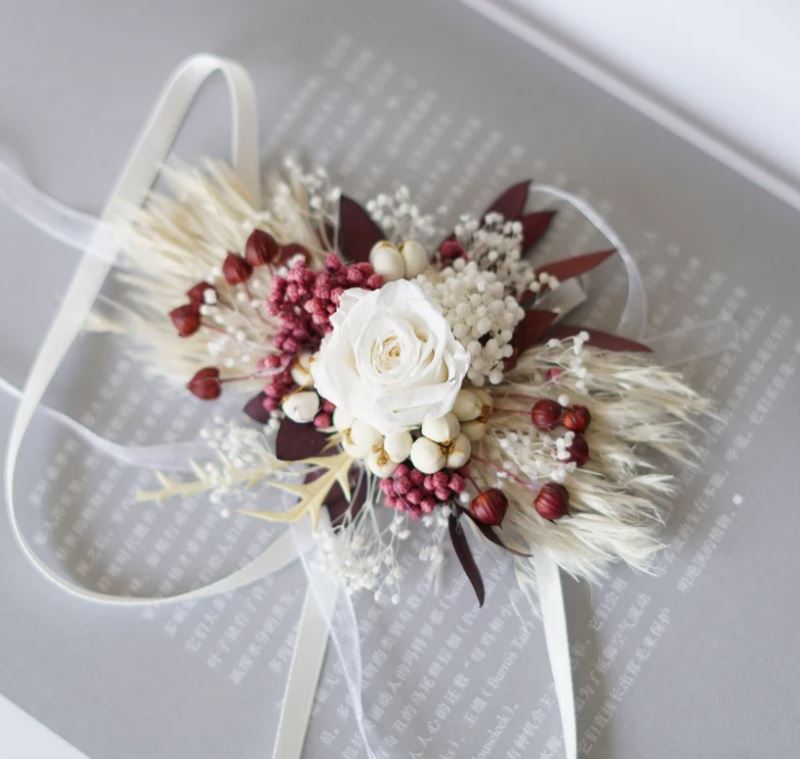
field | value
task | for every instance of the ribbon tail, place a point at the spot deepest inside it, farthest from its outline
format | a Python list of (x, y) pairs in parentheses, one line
[(343, 626), (554, 622), (313, 631)]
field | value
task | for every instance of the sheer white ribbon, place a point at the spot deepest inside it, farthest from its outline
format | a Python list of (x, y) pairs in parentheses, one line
[(326, 611)]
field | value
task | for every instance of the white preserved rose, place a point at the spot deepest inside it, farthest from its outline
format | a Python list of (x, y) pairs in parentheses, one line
[(391, 358)]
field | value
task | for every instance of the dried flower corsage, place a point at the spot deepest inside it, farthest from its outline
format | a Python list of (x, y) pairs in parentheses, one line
[(391, 370)]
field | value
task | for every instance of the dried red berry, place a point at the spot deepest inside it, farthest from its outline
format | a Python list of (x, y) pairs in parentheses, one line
[(235, 269), (186, 319), (576, 418), (197, 293), (579, 450), (546, 414), (206, 384), (552, 502), (451, 249), (489, 506), (261, 248)]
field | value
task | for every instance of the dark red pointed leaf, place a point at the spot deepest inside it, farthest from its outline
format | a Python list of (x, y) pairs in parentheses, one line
[(491, 535), (298, 441), (254, 408), (575, 266), (512, 202), (338, 506), (357, 231), (533, 326), (534, 226), (597, 339), (465, 557)]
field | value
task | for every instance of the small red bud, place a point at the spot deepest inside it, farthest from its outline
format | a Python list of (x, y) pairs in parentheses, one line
[(552, 502), (206, 384), (235, 269), (577, 418), (451, 249), (579, 450), (186, 319), (489, 506), (261, 248), (546, 414), (197, 293)]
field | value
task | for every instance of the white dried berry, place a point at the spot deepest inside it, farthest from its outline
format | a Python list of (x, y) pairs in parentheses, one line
[(443, 429), (387, 261), (379, 463), (427, 456), (468, 405), (415, 258), (459, 452), (474, 430), (301, 407), (363, 439), (398, 445)]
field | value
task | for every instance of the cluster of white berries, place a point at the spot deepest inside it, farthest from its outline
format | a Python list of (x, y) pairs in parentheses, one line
[(399, 218), (322, 196), (238, 449), (496, 245), (363, 559), (441, 442), (480, 314), (574, 358)]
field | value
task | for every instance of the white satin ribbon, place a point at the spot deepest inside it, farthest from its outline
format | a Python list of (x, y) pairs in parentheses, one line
[(175, 457), (556, 635), (79, 230), (633, 320)]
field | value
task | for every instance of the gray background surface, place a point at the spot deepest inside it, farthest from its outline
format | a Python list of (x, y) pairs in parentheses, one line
[(700, 661)]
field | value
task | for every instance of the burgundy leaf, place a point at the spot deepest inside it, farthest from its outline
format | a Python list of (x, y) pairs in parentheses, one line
[(298, 441), (512, 202), (534, 225), (491, 535), (597, 339), (575, 266), (465, 557), (338, 506), (357, 231), (533, 326), (254, 408)]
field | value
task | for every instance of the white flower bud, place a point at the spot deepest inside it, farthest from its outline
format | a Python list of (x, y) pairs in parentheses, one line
[(474, 430), (301, 407), (415, 258), (468, 406), (398, 445), (427, 456), (387, 261), (363, 439), (301, 375), (442, 430), (380, 464), (459, 452), (342, 420)]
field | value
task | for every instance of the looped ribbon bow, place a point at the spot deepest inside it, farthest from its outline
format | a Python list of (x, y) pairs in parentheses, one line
[(326, 612)]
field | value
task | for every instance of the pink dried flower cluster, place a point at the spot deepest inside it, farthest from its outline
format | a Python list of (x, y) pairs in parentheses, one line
[(416, 493), (305, 300)]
